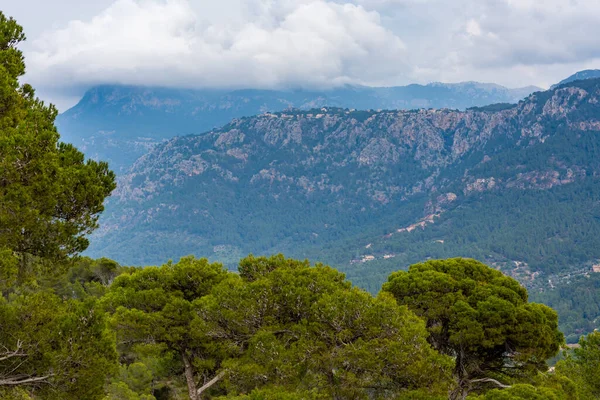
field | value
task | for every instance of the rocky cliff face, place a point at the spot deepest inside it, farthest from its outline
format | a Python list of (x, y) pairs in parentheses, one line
[(119, 123), (292, 180), (289, 147)]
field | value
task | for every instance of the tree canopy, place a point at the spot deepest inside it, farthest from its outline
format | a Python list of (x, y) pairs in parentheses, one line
[(57, 349), (481, 318), (280, 326), (51, 347), (51, 196), (582, 365), (153, 306)]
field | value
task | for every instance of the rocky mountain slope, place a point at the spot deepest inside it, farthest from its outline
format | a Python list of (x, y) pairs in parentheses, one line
[(120, 123), (373, 191)]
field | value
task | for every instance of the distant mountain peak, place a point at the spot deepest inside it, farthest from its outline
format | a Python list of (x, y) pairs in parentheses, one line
[(578, 76)]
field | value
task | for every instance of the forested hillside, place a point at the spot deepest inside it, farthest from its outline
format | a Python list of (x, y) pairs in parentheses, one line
[(370, 191)]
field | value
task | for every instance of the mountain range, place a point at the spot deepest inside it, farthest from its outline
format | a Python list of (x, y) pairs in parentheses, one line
[(360, 183), (121, 123), (368, 191)]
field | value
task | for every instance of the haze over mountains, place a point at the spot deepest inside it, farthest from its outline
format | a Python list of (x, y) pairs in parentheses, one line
[(120, 123)]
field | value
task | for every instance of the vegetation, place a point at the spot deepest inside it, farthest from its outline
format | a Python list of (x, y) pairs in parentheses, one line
[(50, 347), (481, 318), (582, 365), (576, 299), (494, 107), (278, 328), (51, 197)]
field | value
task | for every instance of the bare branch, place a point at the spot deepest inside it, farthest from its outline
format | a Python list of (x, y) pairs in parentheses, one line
[(16, 353), (490, 380), (214, 380), (24, 380)]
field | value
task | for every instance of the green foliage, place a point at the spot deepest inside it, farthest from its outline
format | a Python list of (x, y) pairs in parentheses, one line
[(14, 394), (279, 393), (253, 268), (279, 328), (523, 392), (481, 318), (9, 269), (133, 383), (85, 277), (121, 391), (582, 366), (56, 349), (576, 299), (51, 196), (153, 306), (302, 329), (542, 387)]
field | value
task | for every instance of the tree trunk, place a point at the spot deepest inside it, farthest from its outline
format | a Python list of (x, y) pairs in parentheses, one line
[(189, 377), (463, 383), (461, 391)]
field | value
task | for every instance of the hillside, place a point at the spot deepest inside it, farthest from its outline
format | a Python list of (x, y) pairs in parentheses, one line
[(347, 186), (120, 123)]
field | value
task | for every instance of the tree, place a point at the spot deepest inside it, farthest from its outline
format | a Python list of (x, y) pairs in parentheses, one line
[(481, 318), (295, 331), (583, 366), (50, 196), (153, 306), (54, 349), (85, 278)]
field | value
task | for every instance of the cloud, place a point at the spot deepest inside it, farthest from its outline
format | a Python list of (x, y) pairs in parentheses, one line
[(311, 43), (270, 44), (511, 42), (536, 32)]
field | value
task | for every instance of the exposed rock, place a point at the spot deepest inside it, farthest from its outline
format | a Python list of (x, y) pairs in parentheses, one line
[(309, 177)]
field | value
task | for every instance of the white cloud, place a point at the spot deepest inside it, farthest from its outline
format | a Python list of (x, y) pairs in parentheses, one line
[(309, 43), (171, 42), (473, 28), (535, 32), (511, 42)]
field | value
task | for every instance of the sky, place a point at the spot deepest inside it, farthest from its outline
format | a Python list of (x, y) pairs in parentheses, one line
[(73, 45)]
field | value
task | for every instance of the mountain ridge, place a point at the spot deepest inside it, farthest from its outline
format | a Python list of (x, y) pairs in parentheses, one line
[(120, 123), (371, 192), (580, 75), (335, 165)]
